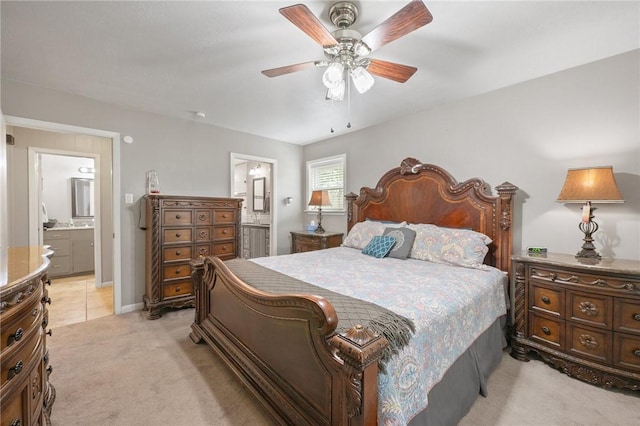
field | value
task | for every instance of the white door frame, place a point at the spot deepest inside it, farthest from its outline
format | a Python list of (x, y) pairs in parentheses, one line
[(273, 206), (115, 202)]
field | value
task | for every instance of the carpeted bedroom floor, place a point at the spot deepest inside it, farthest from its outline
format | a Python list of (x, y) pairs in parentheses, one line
[(127, 370)]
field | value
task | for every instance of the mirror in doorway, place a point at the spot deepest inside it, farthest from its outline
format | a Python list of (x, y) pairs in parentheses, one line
[(81, 198), (258, 195)]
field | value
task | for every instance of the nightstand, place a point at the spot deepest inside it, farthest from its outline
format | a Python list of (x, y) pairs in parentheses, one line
[(310, 241), (581, 318)]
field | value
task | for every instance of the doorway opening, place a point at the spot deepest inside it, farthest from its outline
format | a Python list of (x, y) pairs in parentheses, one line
[(253, 179)]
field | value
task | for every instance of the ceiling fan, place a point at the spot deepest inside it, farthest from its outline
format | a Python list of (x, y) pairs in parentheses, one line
[(346, 50)]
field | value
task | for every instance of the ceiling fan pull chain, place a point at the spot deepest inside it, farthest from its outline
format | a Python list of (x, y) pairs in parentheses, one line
[(348, 100)]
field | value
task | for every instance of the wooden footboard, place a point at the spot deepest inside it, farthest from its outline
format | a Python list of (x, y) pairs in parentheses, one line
[(285, 349)]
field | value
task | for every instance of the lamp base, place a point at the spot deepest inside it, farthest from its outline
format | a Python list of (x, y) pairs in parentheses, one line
[(588, 249), (319, 229)]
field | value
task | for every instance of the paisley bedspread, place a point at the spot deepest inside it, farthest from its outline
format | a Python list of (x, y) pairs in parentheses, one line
[(449, 305)]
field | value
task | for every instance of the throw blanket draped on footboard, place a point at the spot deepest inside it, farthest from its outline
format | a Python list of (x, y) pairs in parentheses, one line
[(351, 311)]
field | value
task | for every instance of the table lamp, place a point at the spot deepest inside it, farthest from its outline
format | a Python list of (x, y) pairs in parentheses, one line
[(319, 199), (589, 185)]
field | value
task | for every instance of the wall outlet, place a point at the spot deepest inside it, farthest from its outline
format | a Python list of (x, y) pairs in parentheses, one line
[(128, 198)]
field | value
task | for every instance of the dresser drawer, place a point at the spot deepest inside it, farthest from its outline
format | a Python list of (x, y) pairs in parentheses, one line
[(180, 288), (176, 271), (203, 217), (177, 217), (176, 253), (224, 216), (626, 352), (17, 330), (627, 316), (591, 309), (224, 250), (547, 331), (224, 232), (179, 235), (547, 299), (203, 250), (589, 342), (14, 408), (17, 364), (203, 234)]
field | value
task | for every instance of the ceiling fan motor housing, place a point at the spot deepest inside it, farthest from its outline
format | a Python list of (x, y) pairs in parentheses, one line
[(343, 14)]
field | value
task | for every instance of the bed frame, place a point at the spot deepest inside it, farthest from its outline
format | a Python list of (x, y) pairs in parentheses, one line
[(285, 348)]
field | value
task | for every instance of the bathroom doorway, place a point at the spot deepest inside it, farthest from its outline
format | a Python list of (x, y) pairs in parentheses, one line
[(253, 179)]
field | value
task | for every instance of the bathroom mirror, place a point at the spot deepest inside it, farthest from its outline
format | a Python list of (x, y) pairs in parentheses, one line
[(81, 198), (258, 195)]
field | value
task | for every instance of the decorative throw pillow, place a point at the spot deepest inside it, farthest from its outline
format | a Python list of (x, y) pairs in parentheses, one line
[(362, 232), (460, 247), (404, 241), (379, 246)]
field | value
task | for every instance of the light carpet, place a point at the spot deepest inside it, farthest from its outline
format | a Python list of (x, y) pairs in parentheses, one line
[(127, 370)]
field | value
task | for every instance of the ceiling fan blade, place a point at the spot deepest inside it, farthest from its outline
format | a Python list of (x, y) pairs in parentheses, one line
[(303, 18), (391, 70), (411, 17), (274, 72)]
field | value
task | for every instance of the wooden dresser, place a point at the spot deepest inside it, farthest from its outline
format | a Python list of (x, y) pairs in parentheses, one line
[(26, 396), (179, 229), (310, 241), (582, 318)]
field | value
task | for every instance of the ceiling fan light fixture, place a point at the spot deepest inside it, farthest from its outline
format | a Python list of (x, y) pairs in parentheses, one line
[(362, 80), (336, 93), (333, 75)]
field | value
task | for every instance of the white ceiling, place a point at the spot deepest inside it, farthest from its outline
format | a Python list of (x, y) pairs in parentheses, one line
[(175, 58)]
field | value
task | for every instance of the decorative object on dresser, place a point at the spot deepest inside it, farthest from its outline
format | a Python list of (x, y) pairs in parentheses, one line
[(310, 241), (26, 396), (179, 229), (319, 199), (589, 185), (581, 318)]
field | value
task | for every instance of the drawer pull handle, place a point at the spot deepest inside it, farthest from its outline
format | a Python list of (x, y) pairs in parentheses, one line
[(224, 215), (224, 248), (588, 308), (224, 231), (636, 317), (46, 300), (588, 341), (45, 322), (17, 335), (16, 369), (178, 216), (178, 235), (48, 281), (545, 299), (50, 332), (177, 289), (637, 353), (178, 270), (35, 312), (49, 369), (546, 330), (178, 252), (203, 217)]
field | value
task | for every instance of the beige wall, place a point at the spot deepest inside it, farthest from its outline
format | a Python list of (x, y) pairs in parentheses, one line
[(18, 166), (528, 134)]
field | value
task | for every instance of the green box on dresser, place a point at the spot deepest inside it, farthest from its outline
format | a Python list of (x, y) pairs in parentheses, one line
[(581, 316)]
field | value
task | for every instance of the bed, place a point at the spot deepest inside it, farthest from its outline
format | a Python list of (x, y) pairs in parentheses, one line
[(306, 367)]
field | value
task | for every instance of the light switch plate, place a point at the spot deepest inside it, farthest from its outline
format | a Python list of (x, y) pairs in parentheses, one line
[(128, 198)]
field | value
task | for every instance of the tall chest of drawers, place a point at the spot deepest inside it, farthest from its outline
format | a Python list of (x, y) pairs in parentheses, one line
[(26, 395), (581, 318), (179, 229)]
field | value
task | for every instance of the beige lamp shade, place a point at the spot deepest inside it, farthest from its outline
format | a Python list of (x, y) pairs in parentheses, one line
[(594, 184), (320, 198)]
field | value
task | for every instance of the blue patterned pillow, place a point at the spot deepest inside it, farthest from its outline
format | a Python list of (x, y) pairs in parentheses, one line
[(379, 246)]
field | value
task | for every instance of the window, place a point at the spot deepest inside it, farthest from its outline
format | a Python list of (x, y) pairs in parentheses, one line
[(328, 174)]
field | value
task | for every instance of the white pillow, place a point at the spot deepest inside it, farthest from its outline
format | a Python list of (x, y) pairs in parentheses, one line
[(362, 232)]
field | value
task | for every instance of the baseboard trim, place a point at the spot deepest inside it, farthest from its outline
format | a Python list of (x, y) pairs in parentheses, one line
[(131, 308)]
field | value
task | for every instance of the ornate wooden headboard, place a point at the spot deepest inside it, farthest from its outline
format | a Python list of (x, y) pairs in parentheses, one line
[(424, 193)]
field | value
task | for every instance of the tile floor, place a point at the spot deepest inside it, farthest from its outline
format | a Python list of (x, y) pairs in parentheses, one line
[(76, 299)]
